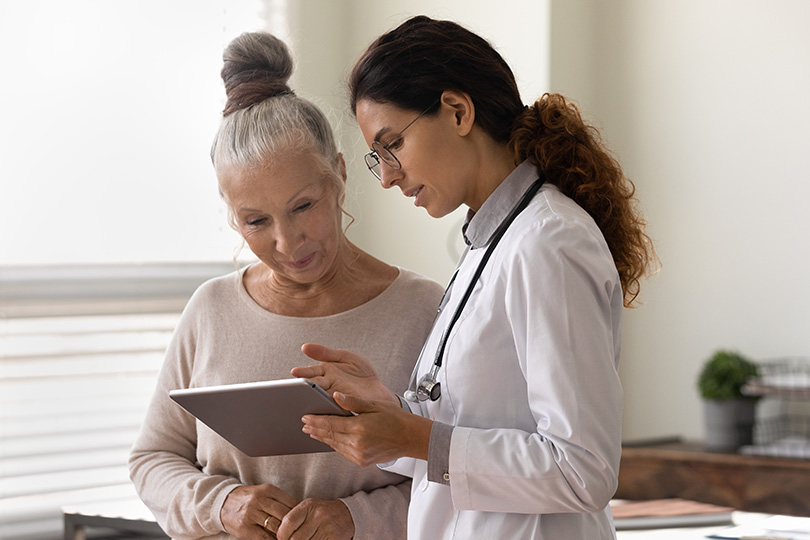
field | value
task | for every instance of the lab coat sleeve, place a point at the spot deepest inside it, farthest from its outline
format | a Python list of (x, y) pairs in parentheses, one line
[(562, 301)]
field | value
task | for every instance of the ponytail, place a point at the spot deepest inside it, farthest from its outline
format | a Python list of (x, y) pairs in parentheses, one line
[(552, 135)]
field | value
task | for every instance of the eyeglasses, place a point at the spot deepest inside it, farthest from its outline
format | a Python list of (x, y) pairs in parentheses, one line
[(381, 153)]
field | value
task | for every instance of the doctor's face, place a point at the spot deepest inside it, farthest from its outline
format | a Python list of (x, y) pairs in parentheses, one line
[(431, 165), (287, 210)]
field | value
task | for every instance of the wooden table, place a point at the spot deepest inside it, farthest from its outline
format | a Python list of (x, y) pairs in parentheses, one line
[(682, 469)]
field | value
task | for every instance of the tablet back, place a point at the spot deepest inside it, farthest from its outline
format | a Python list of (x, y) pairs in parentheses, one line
[(261, 418)]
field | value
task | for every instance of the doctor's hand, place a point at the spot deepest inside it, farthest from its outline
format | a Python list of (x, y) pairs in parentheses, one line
[(249, 509), (345, 372), (381, 432)]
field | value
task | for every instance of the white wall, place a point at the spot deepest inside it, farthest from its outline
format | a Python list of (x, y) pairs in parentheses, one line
[(705, 103), (109, 109), (329, 36)]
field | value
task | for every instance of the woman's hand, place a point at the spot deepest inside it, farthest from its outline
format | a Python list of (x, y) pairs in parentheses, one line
[(317, 519), (345, 372), (247, 509), (381, 432)]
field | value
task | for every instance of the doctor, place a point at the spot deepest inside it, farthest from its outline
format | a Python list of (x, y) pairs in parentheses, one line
[(512, 425)]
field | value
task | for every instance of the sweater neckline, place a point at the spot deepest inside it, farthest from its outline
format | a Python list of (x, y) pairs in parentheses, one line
[(254, 306)]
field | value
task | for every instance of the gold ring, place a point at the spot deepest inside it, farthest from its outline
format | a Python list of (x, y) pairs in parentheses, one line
[(265, 522)]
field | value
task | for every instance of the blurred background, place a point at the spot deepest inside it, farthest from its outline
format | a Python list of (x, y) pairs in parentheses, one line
[(109, 213)]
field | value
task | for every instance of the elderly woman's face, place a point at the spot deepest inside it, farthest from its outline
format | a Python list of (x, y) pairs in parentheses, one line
[(288, 213)]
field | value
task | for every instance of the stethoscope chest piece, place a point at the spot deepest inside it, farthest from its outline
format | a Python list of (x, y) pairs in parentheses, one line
[(428, 388)]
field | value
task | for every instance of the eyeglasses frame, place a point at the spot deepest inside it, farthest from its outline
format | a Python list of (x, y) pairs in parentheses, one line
[(374, 155)]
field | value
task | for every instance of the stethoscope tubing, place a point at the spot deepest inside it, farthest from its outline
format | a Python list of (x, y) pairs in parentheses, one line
[(430, 377)]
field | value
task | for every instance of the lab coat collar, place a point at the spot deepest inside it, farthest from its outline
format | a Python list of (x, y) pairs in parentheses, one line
[(479, 227)]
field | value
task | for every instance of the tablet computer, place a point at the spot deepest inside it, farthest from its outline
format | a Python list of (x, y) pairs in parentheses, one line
[(261, 418)]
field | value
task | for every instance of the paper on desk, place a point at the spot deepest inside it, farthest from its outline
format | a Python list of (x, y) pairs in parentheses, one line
[(773, 527), (663, 513)]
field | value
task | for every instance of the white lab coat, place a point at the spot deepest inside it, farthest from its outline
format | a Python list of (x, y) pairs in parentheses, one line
[(530, 381)]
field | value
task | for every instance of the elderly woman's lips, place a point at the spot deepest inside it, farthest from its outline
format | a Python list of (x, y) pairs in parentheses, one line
[(300, 263)]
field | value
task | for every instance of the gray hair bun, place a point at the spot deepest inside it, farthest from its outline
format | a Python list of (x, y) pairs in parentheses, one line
[(257, 66)]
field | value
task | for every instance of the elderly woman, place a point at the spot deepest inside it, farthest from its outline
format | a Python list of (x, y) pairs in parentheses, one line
[(283, 180)]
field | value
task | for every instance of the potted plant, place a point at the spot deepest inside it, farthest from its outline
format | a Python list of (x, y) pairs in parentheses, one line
[(728, 413)]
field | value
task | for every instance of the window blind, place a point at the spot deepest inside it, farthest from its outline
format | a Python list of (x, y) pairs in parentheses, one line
[(74, 387)]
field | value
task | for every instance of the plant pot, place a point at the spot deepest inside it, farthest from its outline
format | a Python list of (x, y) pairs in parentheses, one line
[(729, 423)]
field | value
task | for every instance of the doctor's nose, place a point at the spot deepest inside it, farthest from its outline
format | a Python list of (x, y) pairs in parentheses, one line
[(389, 176)]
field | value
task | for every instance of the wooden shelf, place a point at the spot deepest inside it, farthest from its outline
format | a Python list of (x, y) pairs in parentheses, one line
[(686, 470)]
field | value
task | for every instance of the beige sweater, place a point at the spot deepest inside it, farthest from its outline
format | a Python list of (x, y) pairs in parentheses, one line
[(183, 471)]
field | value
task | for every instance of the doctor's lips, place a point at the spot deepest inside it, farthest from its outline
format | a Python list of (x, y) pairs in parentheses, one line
[(414, 193)]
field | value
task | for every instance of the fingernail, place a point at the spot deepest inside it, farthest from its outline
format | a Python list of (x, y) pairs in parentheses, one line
[(339, 395)]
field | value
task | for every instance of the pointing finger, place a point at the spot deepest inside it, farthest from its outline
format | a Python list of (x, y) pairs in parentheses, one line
[(321, 353)]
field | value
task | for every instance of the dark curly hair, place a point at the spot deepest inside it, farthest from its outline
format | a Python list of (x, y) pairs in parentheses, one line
[(412, 65), (552, 135)]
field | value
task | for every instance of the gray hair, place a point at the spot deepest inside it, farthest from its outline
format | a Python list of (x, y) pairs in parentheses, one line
[(263, 116)]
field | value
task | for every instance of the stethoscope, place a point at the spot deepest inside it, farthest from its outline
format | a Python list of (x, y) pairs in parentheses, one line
[(428, 387)]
